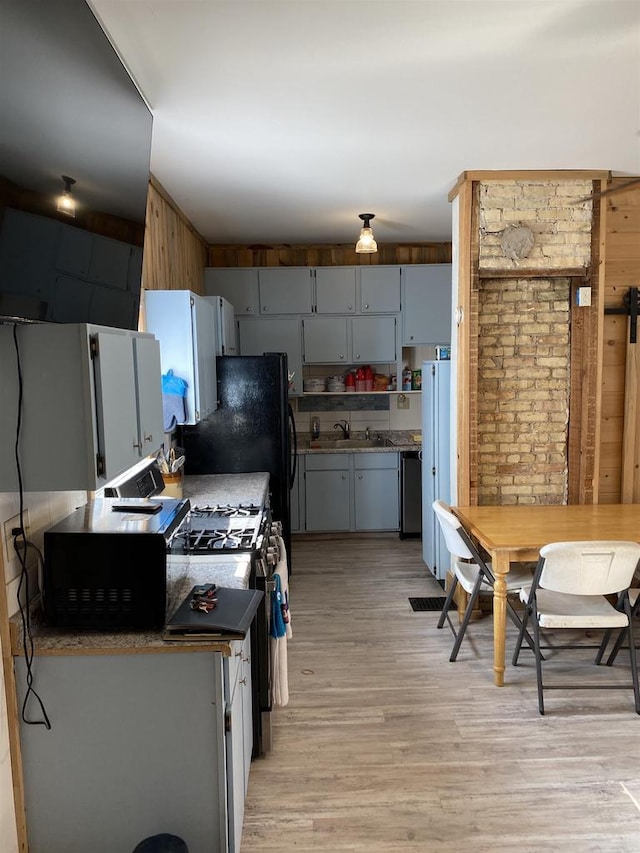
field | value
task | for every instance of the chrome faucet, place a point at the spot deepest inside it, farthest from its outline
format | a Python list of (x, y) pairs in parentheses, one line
[(344, 426)]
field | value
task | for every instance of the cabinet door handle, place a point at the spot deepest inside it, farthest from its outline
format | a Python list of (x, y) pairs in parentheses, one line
[(248, 309), (264, 308), (344, 476), (148, 438), (350, 307), (357, 357), (359, 476), (137, 446), (243, 681), (341, 355), (366, 307)]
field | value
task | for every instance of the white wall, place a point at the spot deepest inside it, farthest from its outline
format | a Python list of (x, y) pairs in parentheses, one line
[(44, 509)]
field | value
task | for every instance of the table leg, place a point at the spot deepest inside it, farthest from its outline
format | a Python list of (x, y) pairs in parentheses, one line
[(500, 566)]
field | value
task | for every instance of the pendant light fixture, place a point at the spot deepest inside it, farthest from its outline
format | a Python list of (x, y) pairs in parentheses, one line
[(366, 243), (66, 202)]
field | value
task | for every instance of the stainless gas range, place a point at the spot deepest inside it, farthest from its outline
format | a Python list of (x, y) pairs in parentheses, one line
[(212, 535)]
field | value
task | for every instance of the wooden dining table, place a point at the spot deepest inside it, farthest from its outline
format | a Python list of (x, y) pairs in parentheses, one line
[(512, 534)]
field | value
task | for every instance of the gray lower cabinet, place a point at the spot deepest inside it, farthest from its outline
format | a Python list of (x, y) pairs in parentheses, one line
[(239, 735), (137, 746), (352, 492), (278, 334), (376, 491), (328, 492), (426, 304)]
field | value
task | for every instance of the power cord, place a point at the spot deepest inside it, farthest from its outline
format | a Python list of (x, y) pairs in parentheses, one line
[(21, 544)]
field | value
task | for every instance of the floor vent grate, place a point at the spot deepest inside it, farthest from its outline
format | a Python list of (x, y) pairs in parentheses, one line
[(420, 604)]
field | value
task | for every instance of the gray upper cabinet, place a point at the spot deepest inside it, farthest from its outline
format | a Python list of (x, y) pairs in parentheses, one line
[(147, 371), (426, 304), (238, 286), (373, 339), (91, 405), (336, 290), (78, 276), (353, 340), (274, 334), (74, 252), (226, 331), (286, 291), (109, 262), (380, 290), (185, 325), (326, 340)]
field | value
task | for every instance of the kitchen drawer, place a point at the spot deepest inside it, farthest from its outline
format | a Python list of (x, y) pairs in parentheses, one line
[(326, 461), (363, 461)]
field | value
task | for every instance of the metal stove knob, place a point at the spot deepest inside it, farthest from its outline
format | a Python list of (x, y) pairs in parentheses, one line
[(272, 556), (276, 528)]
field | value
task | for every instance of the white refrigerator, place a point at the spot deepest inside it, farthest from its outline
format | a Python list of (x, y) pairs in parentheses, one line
[(436, 461)]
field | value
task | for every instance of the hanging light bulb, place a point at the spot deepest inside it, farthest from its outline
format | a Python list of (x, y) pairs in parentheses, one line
[(366, 243), (66, 202)]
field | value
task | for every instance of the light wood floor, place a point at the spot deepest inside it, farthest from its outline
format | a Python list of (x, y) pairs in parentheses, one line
[(386, 746)]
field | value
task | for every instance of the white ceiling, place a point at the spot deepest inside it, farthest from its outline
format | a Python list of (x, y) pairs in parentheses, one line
[(282, 120)]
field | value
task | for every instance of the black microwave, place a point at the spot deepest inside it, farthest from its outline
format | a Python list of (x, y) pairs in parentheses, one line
[(105, 564)]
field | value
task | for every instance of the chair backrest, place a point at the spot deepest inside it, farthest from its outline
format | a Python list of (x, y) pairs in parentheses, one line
[(451, 527), (588, 568)]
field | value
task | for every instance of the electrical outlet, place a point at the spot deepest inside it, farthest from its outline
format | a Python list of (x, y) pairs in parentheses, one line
[(7, 536), (403, 401)]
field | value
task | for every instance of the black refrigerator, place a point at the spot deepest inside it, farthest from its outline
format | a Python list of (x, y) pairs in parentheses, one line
[(252, 429)]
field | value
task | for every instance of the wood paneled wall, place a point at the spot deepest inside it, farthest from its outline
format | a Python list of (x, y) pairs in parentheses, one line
[(619, 434), (321, 255), (175, 255)]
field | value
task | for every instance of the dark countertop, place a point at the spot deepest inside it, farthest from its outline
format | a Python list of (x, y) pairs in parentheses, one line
[(392, 441)]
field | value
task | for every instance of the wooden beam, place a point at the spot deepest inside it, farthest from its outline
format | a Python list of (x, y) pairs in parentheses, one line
[(13, 723), (630, 462), (528, 175), (518, 272)]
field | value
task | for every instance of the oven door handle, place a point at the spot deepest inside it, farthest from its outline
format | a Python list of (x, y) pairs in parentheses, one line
[(294, 435)]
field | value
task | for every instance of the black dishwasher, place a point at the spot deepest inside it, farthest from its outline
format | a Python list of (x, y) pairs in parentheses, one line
[(410, 494)]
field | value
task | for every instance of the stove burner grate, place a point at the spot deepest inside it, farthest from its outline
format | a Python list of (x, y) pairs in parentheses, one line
[(226, 510)]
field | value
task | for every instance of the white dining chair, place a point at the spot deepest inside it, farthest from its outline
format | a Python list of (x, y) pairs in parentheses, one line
[(474, 575), (568, 592), (634, 601)]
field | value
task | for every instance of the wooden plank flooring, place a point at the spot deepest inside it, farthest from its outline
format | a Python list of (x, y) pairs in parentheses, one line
[(386, 746)]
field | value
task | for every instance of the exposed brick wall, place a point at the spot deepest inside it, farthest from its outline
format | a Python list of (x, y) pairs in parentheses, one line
[(561, 227), (523, 390)]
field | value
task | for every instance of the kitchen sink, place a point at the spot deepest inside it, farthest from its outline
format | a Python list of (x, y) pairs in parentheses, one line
[(348, 443)]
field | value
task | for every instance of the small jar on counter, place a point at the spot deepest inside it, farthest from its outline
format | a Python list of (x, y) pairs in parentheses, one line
[(406, 379)]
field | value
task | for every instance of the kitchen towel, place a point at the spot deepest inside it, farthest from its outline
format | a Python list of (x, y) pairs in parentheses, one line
[(278, 650), (174, 391)]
